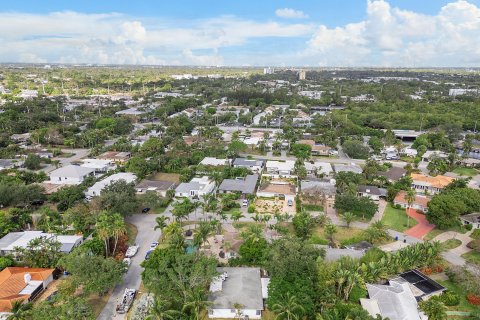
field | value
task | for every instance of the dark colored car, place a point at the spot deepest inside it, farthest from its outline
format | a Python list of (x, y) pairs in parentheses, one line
[(147, 256), (37, 202), (145, 210)]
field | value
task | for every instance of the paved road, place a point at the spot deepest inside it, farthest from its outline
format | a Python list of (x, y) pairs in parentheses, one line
[(132, 279)]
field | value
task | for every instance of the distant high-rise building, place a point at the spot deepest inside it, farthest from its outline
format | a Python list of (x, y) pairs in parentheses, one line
[(268, 70), (302, 74)]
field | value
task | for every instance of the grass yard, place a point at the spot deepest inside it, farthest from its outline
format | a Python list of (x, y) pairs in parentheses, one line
[(344, 235), (397, 219), (463, 305), (313, 207), (174, 177), (131, 233), (450, 244), (472, 257), (468, 172)]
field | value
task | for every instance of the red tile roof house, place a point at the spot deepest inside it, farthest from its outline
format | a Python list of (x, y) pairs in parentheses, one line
[(420, 203), (23, 284)]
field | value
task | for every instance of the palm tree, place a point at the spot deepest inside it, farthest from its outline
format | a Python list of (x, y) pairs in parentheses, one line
[(330, 229), (161, 222), (161, 311), (196, 302), (20, 310), (237, 215), (289, 309), (348, 217), (410, 197), (103, 230), (202, 233), (196, 205), (118, 228), (434, 309)]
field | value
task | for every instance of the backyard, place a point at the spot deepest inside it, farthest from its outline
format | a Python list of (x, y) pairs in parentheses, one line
[(397, 219), (343, 235), (468, 172)]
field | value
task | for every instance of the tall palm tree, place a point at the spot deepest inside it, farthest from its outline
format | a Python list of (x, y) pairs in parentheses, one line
[(161, 311), (330, 229), (237, 215), (289, 309), (410, 197), (104, 231), (161, 222), (196, 302), (118, 228), (202, 233), (348, 217)]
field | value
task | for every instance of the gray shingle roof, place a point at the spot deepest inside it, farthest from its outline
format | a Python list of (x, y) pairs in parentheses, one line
[(248, 162), (246, 186)]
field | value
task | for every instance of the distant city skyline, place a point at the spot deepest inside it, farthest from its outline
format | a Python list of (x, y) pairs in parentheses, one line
[(349, 33)]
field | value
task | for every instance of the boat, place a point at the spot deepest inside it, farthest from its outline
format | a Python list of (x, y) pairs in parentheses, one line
[(127, 300)]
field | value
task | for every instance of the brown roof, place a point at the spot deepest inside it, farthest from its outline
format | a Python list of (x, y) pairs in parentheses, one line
[(287, 189), (437, 181), (419, 200), (12, 283), (394, 173), (315, 147)]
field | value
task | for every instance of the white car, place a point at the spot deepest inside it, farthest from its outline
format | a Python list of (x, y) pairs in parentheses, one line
[(153, 245), (245, 203), (131, 251)]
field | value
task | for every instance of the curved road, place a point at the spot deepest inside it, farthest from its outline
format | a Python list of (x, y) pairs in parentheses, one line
[(132, 279)]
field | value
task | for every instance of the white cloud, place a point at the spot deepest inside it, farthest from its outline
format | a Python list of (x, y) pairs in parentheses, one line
[(395, 37), (289, 13)]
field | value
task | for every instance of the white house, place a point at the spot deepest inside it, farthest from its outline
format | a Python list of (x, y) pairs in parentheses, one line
[(70, 175), (97, 188), (237, 286), (13, 240), (100, 166), (214, 162), (253, 164), (394, 301), (196, 188), (318, 168), (282, 168)]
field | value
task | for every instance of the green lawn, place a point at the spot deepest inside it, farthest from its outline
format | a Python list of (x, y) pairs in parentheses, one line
[(131, 233), (450, 244), (313, 207), (472, 257), (397, 219), (469, 172), (464, 305), (435, 232), (344, 235)]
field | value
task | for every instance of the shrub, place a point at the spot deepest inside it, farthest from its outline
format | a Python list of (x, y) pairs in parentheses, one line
[(473, 299), (475, 234), (468, 227), (251, 208), (450, 299), (6, 262)]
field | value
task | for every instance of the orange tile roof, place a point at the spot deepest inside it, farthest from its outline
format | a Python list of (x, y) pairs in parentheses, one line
[(419, 200), (12, 283), (437, 181)]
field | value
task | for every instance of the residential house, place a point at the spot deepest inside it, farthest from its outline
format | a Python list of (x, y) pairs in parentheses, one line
[(371, 192), (471, 162), (393, 174), (318, 168), (429, 155), (28, 94), (100, 166), (317, 149), (10, 164), (70, 174), (423, 183), (281, 168), (22, 284), (243, 186), (237, 287), (159, 186), (472, 219), (319, 191), (420, 203), (214, 162), (98, 187), (115, 156), (254, 165), (274, 189), (196, 188), (394, 301), (12, 240), (347, 168)]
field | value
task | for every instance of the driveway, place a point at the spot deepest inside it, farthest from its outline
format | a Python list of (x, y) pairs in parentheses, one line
[(382, 204), (423, 226), (132, 279)]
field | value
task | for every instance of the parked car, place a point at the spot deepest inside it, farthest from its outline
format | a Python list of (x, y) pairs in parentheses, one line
[(153, 245), (245, 203), (145, 210), (290, 202), (147, 256), (131, 251), (127, 262)]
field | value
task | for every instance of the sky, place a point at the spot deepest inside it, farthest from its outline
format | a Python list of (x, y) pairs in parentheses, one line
[(317, 33)]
